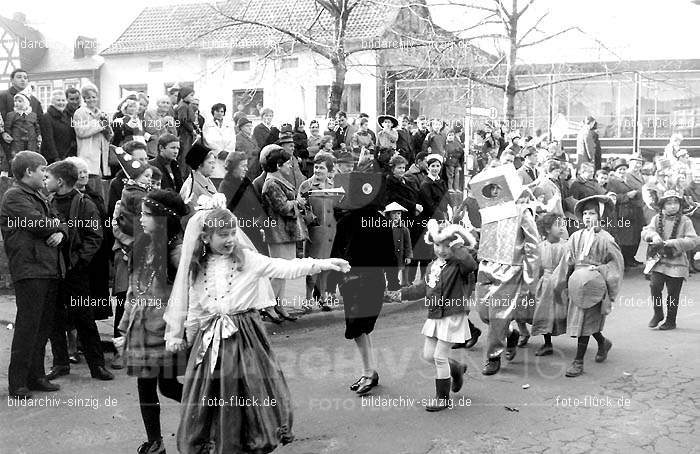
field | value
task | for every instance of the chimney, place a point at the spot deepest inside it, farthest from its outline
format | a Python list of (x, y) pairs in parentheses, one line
[(20, 17), (84, 47)]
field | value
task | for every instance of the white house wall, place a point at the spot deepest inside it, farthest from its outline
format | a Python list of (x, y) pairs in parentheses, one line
[(290, 92)]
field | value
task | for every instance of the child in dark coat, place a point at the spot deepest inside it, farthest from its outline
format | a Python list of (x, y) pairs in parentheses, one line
[(21, 130), (83, 242), (402, 248), (32, 234), (445, 289)]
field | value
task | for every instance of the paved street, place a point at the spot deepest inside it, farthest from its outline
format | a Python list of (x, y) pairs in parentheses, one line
[(644, 399)]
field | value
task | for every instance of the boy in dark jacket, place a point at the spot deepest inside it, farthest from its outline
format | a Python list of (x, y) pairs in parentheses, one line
[(32, 234), (402, 248), (74, 298)]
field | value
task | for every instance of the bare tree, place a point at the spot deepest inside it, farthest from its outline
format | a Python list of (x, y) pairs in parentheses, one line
[(326, 34), (506, 25)]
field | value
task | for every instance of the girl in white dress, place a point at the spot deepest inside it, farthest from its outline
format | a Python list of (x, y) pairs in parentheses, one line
[(235, 397)]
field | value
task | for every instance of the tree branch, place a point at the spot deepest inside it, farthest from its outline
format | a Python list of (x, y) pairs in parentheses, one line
[(548, 37), (525, 8), (568, 79), (533, 28)]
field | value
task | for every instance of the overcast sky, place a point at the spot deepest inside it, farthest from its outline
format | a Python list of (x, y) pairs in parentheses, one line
[(632, 29)]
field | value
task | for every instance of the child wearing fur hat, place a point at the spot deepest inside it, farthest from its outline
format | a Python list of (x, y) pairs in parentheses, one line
[(596, 268), (670, 235), (445, 289), (21, 130)]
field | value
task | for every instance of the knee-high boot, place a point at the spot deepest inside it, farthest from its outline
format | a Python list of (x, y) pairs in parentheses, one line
[(442, 395), (457, 371)]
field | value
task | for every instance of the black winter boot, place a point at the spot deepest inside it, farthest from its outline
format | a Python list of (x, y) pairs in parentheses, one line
[(442, 395), (457, 371), (658, 315), (670, 322)]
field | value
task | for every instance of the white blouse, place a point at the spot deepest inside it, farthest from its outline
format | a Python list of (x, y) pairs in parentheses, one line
[(223, 289)]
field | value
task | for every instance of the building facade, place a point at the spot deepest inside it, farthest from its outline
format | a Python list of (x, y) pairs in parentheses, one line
[(638, 104)]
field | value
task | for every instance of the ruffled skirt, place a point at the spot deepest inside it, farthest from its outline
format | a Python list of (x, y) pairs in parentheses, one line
[(453, 328), (244, 405)]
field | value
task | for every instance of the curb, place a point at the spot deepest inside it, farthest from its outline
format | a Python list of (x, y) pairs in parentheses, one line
[(336, 316)]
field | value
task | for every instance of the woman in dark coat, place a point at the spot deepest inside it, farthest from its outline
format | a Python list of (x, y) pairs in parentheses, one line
[(59, 135), (433, 198), (187, 126), (365, 239), (242, 199)]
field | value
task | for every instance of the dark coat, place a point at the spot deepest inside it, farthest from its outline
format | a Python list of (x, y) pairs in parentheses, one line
[(402, 244), (172, 177), (25, 131), (436, 142), (249, 146), (7, 103), (404, 146), (418, 139), (364, 239), (581, 189), (279, 200), (433, 197), (403, 193), (25, 245), (343, 136), (115, 190), (628, 211), (588, 147), (59, 138), (244, 201), (265, 136), (101, 262), (449, 297), (84, 232)]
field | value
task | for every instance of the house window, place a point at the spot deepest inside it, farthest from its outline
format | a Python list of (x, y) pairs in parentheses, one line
[(241, 65), (137, 88), (248, 101), (349, 103), (43, 92), (289, 62), (68, 83), (155, 66)]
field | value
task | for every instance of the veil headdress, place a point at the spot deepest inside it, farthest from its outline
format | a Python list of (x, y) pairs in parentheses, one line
[(178, 304)]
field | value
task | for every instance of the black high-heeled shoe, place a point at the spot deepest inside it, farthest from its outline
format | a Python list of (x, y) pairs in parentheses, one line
[(367, 387), (267, 315), (284, 314), (355, 386)]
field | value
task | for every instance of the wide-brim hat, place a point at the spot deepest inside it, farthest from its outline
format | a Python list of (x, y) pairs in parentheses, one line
[(131, 167), (197, 155), (394, 121), (393, 206), (603, 202), (620, 163), (586, 287), (671, 194)]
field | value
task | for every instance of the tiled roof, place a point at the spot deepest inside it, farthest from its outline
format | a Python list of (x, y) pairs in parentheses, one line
[(178, 27), (59, 58)]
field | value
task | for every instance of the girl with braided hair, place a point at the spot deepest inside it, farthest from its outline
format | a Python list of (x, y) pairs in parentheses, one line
[(670, 235)]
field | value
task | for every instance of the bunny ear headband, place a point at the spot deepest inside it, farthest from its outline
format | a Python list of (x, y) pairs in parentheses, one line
[(437, 233)]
